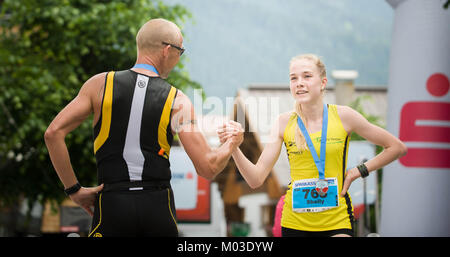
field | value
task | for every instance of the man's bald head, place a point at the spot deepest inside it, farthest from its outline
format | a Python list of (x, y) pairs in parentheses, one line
[(151, 35)]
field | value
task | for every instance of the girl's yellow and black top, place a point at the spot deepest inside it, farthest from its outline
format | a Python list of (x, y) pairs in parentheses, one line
[(302, 166)]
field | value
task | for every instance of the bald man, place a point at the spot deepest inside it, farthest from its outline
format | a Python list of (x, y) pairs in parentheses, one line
[(136, 114)]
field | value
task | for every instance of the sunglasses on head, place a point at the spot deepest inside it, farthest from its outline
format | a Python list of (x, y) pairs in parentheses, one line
[(176, 47)]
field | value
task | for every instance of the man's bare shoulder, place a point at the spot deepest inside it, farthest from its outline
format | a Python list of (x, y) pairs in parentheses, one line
[(181, 95), (94, 84), (96, 80), (181, 100)]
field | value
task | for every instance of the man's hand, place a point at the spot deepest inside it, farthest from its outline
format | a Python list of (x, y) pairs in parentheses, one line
[(233, 131), (85, 198)]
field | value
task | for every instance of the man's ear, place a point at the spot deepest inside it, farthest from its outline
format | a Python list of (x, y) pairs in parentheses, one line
[(165, 51)]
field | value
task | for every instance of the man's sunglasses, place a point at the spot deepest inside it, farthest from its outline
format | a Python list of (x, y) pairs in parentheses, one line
[(176, 47)]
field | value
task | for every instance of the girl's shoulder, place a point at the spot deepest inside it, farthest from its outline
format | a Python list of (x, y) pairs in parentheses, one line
[(284, 117), (283, 120), (350, 118), (345, 112)]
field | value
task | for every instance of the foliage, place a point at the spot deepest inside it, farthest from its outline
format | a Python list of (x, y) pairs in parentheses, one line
[(48, 49), (357, 106)]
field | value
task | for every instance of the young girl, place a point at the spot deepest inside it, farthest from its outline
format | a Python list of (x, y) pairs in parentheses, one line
[(316, 202)]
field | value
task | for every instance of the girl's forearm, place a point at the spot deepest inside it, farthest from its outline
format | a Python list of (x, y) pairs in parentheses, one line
[(388, 155), (247, 169)]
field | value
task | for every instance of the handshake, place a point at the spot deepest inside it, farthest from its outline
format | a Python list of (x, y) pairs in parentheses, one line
[(232, 132)]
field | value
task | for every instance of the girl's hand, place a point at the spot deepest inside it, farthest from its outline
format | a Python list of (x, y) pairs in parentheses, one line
[(351, 175)]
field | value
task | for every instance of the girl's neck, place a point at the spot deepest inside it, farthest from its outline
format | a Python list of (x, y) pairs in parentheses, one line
[(313, 111)]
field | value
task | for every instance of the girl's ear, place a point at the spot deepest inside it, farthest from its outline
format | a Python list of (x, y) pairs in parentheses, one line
[(324, 83)]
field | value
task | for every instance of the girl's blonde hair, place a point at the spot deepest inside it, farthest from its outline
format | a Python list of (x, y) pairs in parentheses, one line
[(299, 138)]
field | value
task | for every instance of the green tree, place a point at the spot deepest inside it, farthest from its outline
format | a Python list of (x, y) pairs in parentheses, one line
[(357, 106), (48, 49)]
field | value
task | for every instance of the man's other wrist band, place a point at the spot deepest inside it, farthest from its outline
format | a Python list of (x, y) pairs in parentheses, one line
[(73, 189)]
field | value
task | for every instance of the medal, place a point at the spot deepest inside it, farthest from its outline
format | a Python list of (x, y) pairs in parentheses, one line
[(322, 184), (322, 187)]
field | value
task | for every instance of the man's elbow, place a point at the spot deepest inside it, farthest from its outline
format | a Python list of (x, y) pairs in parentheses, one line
[(207, 171), (51, 134), (206, 174)]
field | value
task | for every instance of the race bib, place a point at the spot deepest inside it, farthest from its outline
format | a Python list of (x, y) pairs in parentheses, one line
[(306, 199)]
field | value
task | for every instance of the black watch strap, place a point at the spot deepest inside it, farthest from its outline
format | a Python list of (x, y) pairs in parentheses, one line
[(73, 189), (363, 170)]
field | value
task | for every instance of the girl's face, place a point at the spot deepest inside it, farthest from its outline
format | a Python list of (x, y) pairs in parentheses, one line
[(305, 82)]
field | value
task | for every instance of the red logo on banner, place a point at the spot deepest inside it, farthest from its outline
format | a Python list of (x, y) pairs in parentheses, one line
[(202, 212), (421, 122)]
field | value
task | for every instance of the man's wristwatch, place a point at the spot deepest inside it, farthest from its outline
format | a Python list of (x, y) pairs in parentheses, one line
[(73, 189)]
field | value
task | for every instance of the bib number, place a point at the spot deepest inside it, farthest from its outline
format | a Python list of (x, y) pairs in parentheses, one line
[(305, 198)]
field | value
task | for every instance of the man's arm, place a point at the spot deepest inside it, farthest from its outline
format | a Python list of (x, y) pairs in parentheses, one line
[(66, 121), (207, 162)]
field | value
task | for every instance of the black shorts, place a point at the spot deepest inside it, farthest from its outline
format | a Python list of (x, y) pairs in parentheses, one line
[(287, 232), (132, 213)]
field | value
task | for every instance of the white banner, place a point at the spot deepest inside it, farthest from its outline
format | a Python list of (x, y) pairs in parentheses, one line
[(416, 190), (184, 179)]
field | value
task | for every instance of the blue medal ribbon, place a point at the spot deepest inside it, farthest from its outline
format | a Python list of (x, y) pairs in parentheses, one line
[(147, 67), (320, 163)]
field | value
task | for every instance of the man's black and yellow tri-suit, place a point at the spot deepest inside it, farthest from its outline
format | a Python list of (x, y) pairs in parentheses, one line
[(132, 142)]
